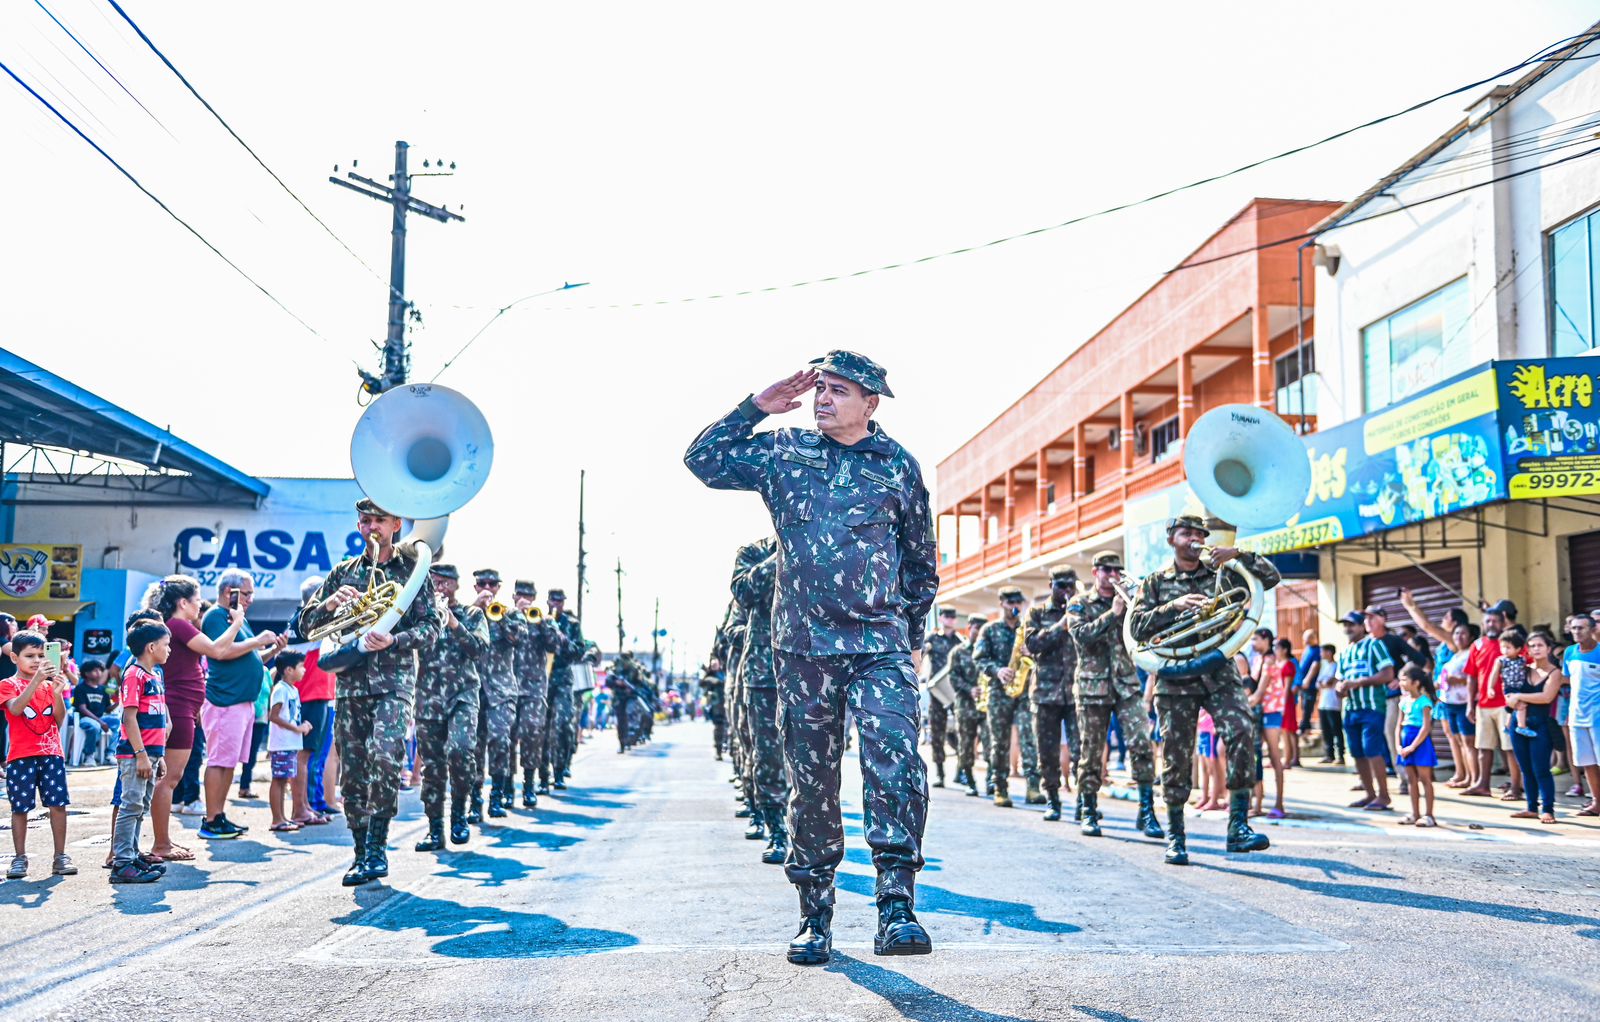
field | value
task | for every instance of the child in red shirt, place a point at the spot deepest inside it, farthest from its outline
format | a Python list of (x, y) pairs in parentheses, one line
[(35, 706), (141, 753)]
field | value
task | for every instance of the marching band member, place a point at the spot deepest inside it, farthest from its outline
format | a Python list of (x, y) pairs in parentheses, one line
[(447, 705)]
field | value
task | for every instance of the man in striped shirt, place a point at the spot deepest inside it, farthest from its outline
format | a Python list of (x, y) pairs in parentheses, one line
[(1365, 673)]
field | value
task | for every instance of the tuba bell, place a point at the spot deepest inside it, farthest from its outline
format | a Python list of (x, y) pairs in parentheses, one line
[(419, 451), (1246, 466)]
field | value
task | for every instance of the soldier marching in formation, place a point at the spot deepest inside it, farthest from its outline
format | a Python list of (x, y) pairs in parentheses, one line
[(712, 692), (754, 577), (532, 661), (996, 644), (971, 735), (561, 735), (1055, 660), (936, 656), (447, 701), (497, 709)]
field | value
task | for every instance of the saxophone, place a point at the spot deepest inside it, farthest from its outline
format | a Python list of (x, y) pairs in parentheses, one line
[(1021, 662)]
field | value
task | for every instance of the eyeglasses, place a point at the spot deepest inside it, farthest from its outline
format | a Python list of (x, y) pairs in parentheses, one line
[(486, 585)]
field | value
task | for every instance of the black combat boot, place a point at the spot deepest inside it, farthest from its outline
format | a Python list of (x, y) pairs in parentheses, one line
[(1177, 842), (459, 834), (899, 933), (357, 874), (1035, 796), (757, 829), (529, 799), (435, 839), (971, 782), (1240, 837), (1054, 812), (988, 786), (378, 849), (1077, 812), (938, 774), (813, 945), (1146, 820), (498, 798), (561, 781), (544, 785), (1091, 815), (475, 812), (777, 839), (744, 812), (1002, 795)]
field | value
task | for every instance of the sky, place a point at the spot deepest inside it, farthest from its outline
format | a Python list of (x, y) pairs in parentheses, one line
[(659, 152)]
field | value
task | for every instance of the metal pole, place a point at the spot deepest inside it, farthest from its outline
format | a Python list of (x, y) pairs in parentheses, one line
[(619, 608), (396, 361), (655, 641), (581, 580)]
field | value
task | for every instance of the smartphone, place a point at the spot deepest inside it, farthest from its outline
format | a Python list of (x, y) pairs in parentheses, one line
[(52, 654), (233, 600)]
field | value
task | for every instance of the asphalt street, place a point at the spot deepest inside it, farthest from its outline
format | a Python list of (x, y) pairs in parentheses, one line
[(634, 895)]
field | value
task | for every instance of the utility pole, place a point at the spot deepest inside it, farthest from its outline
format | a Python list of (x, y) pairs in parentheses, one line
[(619, 608), (396, 352), (655, 641), (581, 581)]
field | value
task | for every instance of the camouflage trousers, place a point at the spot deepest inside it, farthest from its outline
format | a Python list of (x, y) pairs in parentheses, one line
[(880, 691), (719, 729), (1179, 716), (370, 734), (447, 746), (1048, 721), (1005, 711), (1094, 724), (969, 732), (497, 719), (559, 738), (529, 730), (938, 726), (766, 777), (735, 736)]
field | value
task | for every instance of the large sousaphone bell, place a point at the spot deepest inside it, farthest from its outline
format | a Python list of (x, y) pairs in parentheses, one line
[(1247, 467), (421, 452)]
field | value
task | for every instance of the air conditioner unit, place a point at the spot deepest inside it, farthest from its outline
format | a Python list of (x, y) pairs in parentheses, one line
[(1114, 438), (1141, 439)]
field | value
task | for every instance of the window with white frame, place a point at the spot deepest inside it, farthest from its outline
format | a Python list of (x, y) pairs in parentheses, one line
[(1574, 264), (1163, 438), (1416, 347), (1294, 376)]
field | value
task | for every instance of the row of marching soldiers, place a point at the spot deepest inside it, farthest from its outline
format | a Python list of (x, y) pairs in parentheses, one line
[(741, 693)]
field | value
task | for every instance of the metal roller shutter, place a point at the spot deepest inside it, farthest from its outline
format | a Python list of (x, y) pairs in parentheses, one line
[(1583, 561), (1383, 588)]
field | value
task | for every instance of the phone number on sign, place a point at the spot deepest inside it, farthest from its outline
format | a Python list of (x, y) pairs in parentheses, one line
[(262, 579), (1554, 484)]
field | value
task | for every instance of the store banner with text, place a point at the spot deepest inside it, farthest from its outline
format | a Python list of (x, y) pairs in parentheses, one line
[(1550, 426), (40, 571)]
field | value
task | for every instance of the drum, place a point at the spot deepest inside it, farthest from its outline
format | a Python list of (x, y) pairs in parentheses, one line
[(583, 677), (940, 690)]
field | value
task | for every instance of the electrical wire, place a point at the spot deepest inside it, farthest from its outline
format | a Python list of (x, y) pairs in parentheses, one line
[(503, 310), (101, 65), (164, 207)]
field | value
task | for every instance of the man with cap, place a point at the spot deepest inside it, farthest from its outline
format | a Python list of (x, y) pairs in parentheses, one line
[(497, 709), (532, 662), (1486, 703), (1046, 639), (856, 577), (1211, 683), (447, 710), (374, 696), (622, 682), (754, 578), (1365, 673), (996, 644), (935, 656), (1107, 683), (561, 736), (970, 731)]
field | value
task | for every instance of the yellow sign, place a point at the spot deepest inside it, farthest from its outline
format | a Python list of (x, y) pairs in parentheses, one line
[(1300, 536), (1557, 477), (30, 571), (1474, 396)]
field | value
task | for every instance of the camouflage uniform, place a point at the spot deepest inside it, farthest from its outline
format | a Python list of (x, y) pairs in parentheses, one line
[(1055, 660), (995, 644), (624, 682), (1219, 691), (856, 576), (561, 740), (736, 648), (1108, 683), (969, 720), (711, 692), (375, 695), (447, 711), (533, 699), (936, 650), (755, 572), (497, 711)]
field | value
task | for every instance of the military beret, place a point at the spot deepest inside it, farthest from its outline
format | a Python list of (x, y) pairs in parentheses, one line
[(1108, 559), (1187, 521), (487, 575), (444, 571), (1011, 593), (558, 595), (856, 368), (526, 588), (365, 506), (947, 612), (977, 619), (1062, 572)]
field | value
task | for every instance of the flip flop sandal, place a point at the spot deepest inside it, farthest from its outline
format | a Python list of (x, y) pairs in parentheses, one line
[(178, 854), (1547, 818), (1427, 821), (1588, 811), (284, 827), (1525, 814), (1407, 821), (310, 821)]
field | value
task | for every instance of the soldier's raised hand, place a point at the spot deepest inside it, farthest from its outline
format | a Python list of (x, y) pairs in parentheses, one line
[(784, 396)]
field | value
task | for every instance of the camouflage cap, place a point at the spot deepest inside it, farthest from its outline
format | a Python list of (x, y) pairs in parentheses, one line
[(557, 595), (977, 619), (487, 575), (365, 506), (1009, 593), (526, 588), (444, 571), (1063, 573), (1108, 559), (1187, 521), (947, 612), (855, 367)]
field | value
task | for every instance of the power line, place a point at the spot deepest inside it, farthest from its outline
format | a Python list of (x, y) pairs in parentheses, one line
[(503, 310), (164, 207), (102, 66)]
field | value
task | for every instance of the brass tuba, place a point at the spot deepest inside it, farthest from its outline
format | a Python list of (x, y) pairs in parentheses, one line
[(1249, 468)]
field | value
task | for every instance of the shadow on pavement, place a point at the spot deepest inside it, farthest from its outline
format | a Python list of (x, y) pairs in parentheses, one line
[(150, 899), (1013, 914), (31, 892), (488, 870), (482, 931), (506, 837), (910, 998), (543, 815)]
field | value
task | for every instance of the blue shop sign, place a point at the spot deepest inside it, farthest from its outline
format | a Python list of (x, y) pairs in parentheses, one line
[(1550, 426)]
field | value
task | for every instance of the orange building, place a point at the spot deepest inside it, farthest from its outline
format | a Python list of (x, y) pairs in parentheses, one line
[(1046, 482)]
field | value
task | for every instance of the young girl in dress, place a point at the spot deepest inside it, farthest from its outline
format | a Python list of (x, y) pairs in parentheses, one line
[(1417, 703)]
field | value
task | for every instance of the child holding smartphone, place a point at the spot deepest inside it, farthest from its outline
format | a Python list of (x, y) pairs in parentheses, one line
[(36, 771), (141, 752)]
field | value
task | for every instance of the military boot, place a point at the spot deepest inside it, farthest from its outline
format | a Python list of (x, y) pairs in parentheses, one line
[(938, 774), (757, 829), (744, 812), (1177, 843), (544, 785), (357, 874), (475, 813), (498, 798), (1090, 826), (961, 777), (459, 834), (1002, 795), (1077, 812), (971, 783), (529, 799), (1240, 837), (1035, 796), (1146, 821), (378, 849), (435, 839), (813, 945), (778, 839), (1054, 812), (988, 785), (899, 933)]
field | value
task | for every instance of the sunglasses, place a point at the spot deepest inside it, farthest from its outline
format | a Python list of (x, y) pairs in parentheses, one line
[(486, 585)]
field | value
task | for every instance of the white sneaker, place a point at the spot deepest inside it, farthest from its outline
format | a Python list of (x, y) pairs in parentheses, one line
[(190, 809)]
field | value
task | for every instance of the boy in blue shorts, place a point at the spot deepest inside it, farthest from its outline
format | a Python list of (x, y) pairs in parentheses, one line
[(36, 771)]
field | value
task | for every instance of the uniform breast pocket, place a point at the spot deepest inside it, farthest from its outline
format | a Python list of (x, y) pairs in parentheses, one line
[(873, 506)]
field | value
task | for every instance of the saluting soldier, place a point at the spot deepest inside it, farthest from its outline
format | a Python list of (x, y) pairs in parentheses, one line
[(1164, 597), (936, 654), (970, 732), (447, 711), (532, 662), (497, 711), (1054, 658), (561, 736), (1107, 683), (374, 695), (857, 573), (754, 577), (993, 656)]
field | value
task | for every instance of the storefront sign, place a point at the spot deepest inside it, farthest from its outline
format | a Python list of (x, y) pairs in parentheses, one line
[(40, 571), (278, 559), (1550, 426)]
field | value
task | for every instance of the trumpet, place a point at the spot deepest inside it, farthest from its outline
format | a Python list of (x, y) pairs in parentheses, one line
[(533, 615), (496, 611)]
